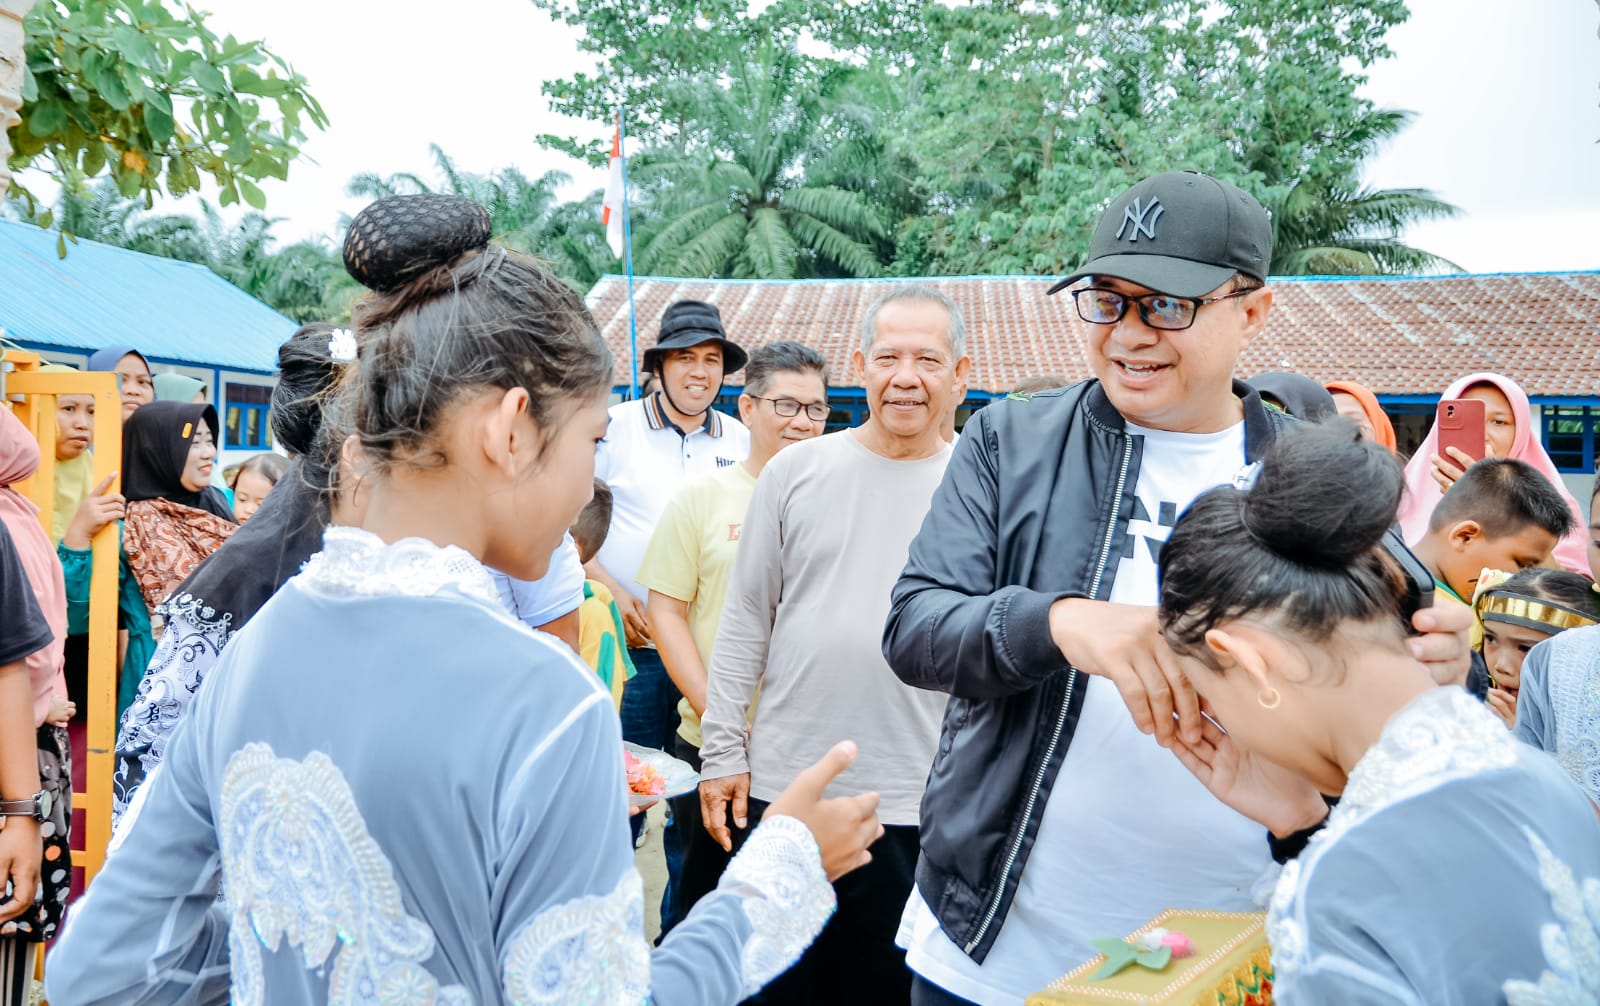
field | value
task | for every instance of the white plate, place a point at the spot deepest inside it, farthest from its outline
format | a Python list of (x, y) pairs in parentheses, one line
[(678, 776)]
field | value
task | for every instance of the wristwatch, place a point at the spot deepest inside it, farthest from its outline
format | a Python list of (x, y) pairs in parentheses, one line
[(36, 806)]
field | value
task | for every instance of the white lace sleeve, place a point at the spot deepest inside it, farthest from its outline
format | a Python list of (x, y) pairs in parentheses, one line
[(591, 950), (780, 883), (587, 951)]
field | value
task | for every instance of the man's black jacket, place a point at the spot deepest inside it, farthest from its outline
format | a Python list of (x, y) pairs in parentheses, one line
[(1033, 508)]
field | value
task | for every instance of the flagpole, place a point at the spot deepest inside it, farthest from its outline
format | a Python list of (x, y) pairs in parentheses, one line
[(627, 261)]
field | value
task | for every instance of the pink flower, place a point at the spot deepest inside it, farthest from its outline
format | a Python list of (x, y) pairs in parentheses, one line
[(1179, 944)]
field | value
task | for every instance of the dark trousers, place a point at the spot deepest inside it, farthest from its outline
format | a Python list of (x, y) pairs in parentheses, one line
[(649, 703), (650, 718), (703, 859), (926, 993), (854, 959)]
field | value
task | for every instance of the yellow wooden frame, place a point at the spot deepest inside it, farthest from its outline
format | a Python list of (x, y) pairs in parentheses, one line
[(37, 410)]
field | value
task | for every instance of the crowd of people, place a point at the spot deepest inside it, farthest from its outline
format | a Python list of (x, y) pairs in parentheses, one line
[(960, 704)]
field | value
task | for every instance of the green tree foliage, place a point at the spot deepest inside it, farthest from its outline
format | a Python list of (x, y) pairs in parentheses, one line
[(1337, 227), (525, 214), (306, 280), (156, 99), (735, 198), (1003, 128)]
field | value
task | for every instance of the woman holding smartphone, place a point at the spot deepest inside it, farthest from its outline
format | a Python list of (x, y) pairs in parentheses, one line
[(1508, 432)]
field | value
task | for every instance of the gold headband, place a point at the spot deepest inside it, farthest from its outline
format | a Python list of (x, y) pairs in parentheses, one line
[(1531, 612)]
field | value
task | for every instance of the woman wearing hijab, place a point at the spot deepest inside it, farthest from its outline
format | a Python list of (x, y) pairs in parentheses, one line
[(1508, 433), (19, 458), (133, 376), (179, 388), (74, 460), (204, 611), (175, 516), (1296, 394), (1358, 404)]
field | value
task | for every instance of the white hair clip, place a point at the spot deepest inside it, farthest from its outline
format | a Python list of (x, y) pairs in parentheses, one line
[(342, 346)]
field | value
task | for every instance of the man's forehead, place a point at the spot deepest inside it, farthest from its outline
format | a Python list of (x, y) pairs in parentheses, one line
[(710, 344)]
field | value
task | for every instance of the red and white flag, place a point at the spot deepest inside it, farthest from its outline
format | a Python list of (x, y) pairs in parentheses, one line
[(611, 209)]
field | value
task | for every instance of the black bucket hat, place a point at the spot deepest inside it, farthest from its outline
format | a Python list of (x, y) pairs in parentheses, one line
[(691, 323)]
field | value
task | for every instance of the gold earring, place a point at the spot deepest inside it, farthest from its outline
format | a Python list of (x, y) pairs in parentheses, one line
[(1272, 703)]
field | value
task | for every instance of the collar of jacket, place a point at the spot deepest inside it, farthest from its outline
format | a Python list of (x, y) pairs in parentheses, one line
[(1259, 421)]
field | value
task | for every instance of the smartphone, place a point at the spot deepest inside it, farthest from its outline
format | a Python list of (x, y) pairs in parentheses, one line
[(1418, 579), (1461, 425)]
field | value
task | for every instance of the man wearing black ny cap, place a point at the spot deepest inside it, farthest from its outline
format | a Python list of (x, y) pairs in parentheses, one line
[(1053, 815)]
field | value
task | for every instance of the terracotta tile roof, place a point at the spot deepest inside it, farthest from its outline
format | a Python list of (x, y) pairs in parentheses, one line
[(1398, 336)]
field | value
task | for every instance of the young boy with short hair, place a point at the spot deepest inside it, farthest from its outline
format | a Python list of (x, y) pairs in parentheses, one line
[(1502, 514), (600, 631)]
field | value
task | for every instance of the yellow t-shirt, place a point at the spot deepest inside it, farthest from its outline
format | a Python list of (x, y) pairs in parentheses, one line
[(690, 557), (1442, 589), (600, 641)]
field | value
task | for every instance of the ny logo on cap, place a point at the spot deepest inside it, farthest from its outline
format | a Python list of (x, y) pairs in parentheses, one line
[(1143, 217)]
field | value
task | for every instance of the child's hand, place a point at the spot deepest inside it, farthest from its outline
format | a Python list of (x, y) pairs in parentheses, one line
[(61, 710), (1504, 703)]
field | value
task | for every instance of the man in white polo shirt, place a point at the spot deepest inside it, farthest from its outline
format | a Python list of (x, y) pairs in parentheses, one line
[(653, 447)]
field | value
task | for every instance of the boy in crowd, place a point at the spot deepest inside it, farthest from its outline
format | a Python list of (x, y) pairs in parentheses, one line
[(1502, 514), (600, 632)]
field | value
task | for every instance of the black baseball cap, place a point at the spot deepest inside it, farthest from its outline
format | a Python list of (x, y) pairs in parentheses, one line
[(1181, 233), (688, 323)]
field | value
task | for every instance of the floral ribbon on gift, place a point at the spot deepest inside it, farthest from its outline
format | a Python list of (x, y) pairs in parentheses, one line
[(1154, 951)]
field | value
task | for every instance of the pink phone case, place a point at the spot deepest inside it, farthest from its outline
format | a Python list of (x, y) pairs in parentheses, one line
[(1461, 425)]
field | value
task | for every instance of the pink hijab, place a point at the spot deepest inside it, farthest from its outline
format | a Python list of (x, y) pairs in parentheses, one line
[(1422, 492), (19, 458)]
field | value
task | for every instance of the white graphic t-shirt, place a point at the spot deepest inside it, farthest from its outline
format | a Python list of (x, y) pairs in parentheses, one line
[(1127, 832)]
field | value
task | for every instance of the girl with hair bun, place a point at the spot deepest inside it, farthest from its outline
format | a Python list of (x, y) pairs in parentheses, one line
[(1291, 617), (404, 794)]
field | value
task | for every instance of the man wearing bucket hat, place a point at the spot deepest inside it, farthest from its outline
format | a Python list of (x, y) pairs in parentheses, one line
[(653, 447), (1052, 814)]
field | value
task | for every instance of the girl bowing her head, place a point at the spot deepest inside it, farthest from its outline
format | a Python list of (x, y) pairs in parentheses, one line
[(1292, 619)]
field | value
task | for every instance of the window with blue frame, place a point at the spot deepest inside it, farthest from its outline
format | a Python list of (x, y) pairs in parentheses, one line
[(246, 419), (1569, 435)]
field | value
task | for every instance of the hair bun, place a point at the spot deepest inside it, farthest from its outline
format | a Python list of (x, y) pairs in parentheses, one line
[(1325, 495), (399, 238)]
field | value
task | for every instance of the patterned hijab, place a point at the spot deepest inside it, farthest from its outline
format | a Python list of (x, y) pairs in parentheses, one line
[(170, 529)]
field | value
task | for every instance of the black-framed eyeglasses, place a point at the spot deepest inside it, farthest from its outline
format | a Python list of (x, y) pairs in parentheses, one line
[(1099, 306), (788, 408)]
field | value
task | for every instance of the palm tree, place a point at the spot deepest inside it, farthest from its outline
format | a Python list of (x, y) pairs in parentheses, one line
[(305, 281), (1341, 228), (734, 198), (524, 214)]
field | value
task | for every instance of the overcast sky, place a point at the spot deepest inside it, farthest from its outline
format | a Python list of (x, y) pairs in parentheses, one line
[(1507, 98)]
